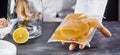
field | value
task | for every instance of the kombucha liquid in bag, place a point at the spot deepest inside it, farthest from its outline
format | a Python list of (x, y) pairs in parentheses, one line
[(81, 30), (76, 28)]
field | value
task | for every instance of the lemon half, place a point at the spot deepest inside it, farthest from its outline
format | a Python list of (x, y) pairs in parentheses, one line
[(21, 35)]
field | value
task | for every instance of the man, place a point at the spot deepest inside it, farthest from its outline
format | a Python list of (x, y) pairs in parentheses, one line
[(55, 10)]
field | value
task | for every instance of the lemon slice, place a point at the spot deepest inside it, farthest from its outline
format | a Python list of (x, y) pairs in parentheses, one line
[(21, 35), (84, 28), (74, 29)]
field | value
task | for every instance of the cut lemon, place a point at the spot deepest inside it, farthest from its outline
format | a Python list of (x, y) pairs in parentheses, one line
[(21, 35)]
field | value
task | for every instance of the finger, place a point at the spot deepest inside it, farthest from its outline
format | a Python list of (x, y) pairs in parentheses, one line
[(19, 7), (104, 31), (81, 46), (3, 22), (6, 22), (63, 43), (72, 46), (0, 23), (27, 12), (90, 32)]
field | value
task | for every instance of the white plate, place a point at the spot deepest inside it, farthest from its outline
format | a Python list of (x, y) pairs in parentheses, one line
[(7, 48)]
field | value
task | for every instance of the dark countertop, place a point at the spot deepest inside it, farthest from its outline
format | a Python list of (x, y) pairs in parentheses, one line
[(99, 44)]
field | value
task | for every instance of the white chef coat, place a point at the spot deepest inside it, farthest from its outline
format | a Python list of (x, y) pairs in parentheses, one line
[(49, 8), (91, 7), (56, 10)]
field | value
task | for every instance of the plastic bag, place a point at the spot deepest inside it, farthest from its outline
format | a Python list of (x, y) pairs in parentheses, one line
[(89, 8), (76, 28)]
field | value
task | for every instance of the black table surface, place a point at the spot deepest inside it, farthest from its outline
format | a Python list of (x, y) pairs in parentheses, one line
[(99, 44)]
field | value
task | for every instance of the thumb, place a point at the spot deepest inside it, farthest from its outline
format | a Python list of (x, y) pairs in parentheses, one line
[(104, 31)]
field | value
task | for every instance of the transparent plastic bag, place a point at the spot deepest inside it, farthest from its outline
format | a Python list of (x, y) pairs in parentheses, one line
[(76, 28), (89, 8)]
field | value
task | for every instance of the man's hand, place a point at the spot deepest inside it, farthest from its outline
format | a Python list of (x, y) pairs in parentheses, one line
[(22, 10), (3, 23), (101, 28)]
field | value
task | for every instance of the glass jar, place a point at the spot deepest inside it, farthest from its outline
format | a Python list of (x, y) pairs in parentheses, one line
[(27, 15)]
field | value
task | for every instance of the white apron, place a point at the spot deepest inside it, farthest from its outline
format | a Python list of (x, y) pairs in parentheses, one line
[(52, 10)]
